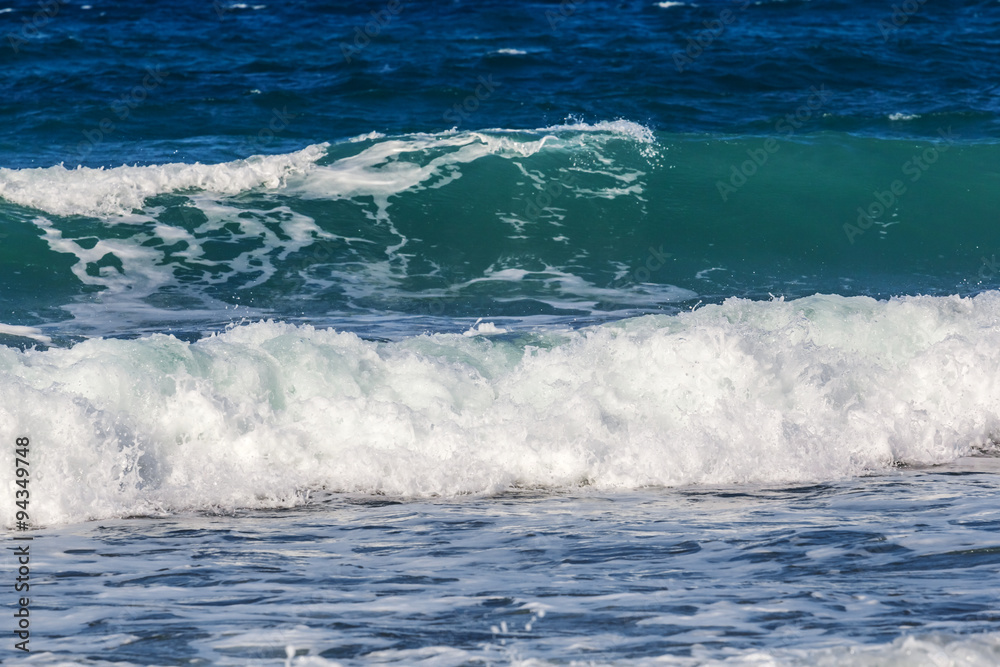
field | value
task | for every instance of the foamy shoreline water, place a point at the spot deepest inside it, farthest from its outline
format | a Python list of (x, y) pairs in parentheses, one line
[(703, 575)]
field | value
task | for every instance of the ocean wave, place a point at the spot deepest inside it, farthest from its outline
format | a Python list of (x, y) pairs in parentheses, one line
[(576, 220), (330, 227), (745, 392), (118, 191)]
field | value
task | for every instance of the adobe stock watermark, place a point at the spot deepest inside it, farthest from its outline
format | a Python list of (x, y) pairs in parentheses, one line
[(122, 109), (363, 36), (989, 269), (714, 29), (30, 26), (220, 9), (788, 125), (901, 13), (279, 121), (915, 168), (656, 259), (548, 194), (566, 9), (462, 110), (22, 546)]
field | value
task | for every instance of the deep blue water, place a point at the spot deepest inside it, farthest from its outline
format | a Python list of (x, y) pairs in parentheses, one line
[(231, 64)]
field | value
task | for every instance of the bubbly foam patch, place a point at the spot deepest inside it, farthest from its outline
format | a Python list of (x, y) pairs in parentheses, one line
[(24, 332), (745, 392), (982, 650), (938, 650), (391, 166)]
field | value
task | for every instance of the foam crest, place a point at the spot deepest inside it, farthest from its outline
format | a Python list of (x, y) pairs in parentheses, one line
[(24, 332), (932, 650), (120, 190), (745, 392), (381, 169), (622, 128), (394, 165)]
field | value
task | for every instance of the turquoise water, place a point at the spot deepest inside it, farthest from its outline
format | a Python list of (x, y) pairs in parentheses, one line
[(572, 224)]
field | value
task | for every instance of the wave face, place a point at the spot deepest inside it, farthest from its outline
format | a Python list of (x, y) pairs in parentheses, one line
[(743, 392), (568, 224)]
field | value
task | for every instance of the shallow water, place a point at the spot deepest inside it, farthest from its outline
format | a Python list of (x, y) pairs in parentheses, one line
[(695, 574)]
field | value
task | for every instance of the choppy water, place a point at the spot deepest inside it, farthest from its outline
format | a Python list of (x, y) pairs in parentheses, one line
[(378, 330), (799, 575)]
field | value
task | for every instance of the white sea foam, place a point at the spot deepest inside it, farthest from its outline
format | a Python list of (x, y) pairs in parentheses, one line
[(24, 332), (481, 328), (624, 128), (745, 392), (925, 651), (936, 650), (120, 190), (368, 136)]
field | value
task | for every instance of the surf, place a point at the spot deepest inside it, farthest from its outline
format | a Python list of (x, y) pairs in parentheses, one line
[(744, 392)]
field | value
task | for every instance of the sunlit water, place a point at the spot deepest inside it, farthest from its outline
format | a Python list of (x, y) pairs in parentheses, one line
[(839, 572)]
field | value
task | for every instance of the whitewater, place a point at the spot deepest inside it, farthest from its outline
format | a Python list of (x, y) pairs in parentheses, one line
[(264, 414)]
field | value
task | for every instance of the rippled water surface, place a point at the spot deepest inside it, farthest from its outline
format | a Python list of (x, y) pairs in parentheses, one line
[(703, 574)]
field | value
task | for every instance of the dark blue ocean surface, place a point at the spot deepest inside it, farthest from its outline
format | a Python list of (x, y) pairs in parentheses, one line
[(221, 70)]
